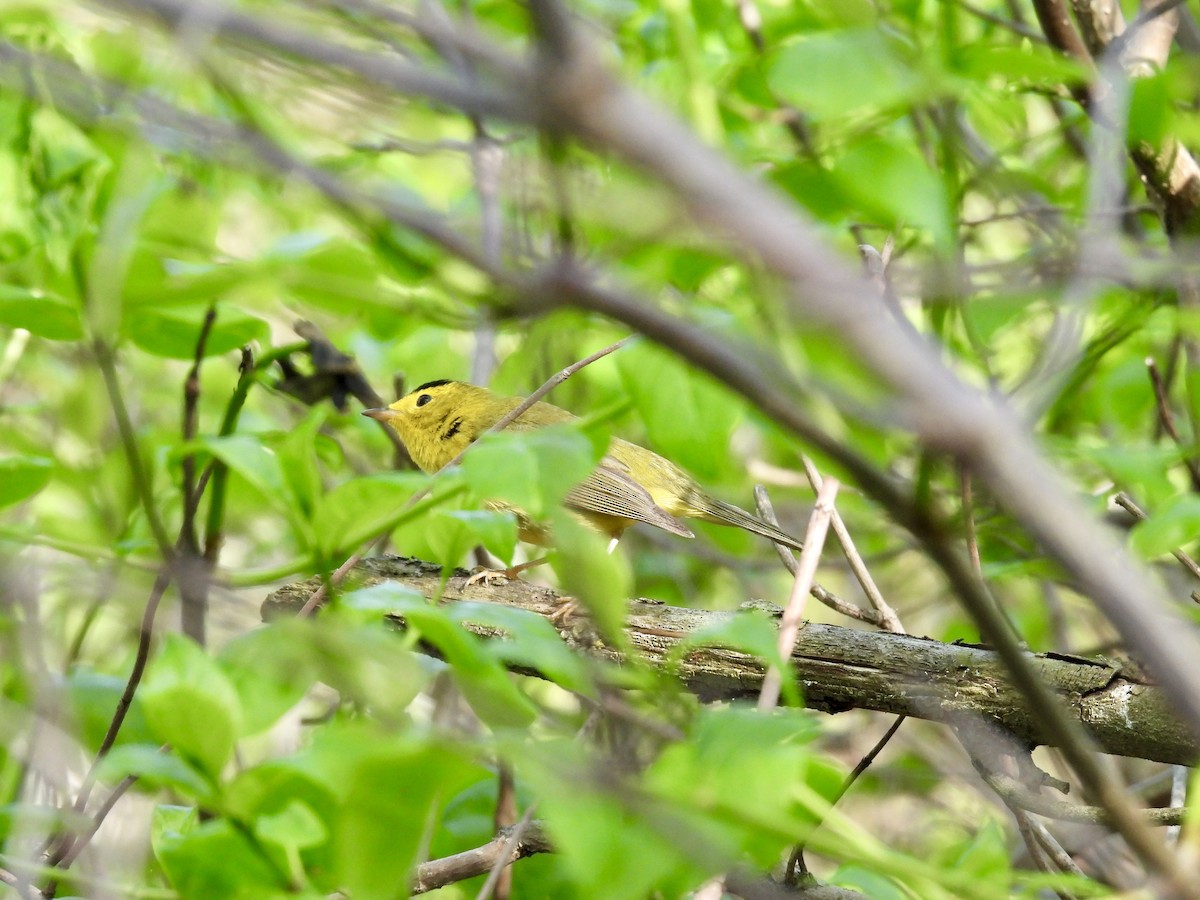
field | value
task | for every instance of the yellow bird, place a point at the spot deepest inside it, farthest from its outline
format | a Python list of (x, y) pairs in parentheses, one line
[(439, 419)]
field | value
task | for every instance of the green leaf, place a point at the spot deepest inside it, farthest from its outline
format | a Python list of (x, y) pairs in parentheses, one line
[(191, 704), (174, 333), (93, 699), (452, 533), (811, 72), (484, 682), (688, 416), (154, 768), (215, 860), (1174, 525), (295, 826), (529, 641), (365, 663), (359, 509), (748, 632), (271, 669), (171, 822), (587, 572), (608, 848), (44, 315), (1030, 62), (1150, 108), (331, 273), (259, 465), (298, 459), (1135, 466), (392, 796), (532, 470), (730, 770), (299, 809), (889, 179), (868, 882), (990, 315), (23, 476), (986, 856)]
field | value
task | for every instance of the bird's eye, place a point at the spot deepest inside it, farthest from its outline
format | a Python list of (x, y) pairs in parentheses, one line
[(423, 399)]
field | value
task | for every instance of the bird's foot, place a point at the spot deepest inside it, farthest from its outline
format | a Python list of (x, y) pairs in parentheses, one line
[(566, 611), (492, 577)]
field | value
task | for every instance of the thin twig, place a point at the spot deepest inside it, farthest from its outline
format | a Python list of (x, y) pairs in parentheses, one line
[(106, 807), (888, 620), (1013, 791), (766, 510), (968, 511), (810, 557), (1166, 417), (506, 855), (1053, 848), (145, 633), (1180, 775), (794, 861), (499, 881), (1127, 503), (194, 574)]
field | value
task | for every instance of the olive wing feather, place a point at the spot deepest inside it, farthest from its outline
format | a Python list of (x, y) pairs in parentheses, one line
[(610, 492)]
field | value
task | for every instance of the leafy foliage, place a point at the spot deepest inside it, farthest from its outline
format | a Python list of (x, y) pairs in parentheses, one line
[(157, 245)]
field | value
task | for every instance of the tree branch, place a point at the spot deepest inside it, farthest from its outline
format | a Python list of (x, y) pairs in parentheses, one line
[(840, 668)]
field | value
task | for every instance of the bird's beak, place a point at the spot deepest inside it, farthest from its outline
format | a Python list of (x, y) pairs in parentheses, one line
[(383, 415)]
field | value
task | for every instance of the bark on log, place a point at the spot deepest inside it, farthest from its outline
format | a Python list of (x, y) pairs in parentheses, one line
[(842, 668)]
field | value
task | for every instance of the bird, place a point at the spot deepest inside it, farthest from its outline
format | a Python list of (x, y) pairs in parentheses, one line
[(631, 484)]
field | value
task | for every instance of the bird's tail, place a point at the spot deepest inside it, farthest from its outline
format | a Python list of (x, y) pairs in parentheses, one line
[(722, 513)]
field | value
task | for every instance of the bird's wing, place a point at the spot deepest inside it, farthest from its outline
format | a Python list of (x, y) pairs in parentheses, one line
[(609, 491), (718, 511)]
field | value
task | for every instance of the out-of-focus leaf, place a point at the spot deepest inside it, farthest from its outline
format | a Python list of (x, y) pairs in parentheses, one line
[(1031, 62), (45, 315), (452, 533), (295, 826), (750, 633), (215, 860), (191, 704), (93, 699), (174, 332), (271, 668), (608, 848), (358, 509), (23, 476), (389, 792), (1169, 527), (259, 465), (484, 682), (154, 767), (532, 470), (811, 72), (529, 640), (687, 415), (298, 459), (1151, 108), (587, 572), (731, 769), (888, 178)]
